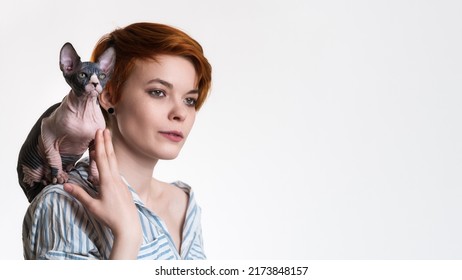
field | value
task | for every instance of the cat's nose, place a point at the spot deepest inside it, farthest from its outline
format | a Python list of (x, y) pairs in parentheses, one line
[(95, 84)]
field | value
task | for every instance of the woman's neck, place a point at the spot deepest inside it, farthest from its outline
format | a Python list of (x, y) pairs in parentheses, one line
[(136, 169)]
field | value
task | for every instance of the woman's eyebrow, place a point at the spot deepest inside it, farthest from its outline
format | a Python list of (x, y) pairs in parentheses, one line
[(170, 85), (160, 81)]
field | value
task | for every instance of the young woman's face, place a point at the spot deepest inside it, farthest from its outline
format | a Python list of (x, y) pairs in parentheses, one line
[(157, 107)]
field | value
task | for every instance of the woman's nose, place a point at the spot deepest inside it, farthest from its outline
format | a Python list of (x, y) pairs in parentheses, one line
[(178, 111)]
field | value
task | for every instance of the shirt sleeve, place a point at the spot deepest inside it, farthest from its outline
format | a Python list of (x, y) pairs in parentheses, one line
[(56, 226)]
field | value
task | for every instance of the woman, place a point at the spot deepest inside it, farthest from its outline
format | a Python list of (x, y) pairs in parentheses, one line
[(160, 80)]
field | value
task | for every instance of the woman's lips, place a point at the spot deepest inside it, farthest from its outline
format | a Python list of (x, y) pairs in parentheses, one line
[(175, 136)]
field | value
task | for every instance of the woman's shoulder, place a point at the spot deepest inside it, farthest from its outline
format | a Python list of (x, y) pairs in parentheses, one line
[(183, 189), (53, 203), (52, 199), (51, 192), (188, 196), (55, 196), (182, 186), (179, 195), (176, 193)]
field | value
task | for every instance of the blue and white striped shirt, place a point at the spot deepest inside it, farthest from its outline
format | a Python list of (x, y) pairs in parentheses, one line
[(57, 226)]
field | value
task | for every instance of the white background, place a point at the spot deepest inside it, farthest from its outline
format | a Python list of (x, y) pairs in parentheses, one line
[(333, 129)]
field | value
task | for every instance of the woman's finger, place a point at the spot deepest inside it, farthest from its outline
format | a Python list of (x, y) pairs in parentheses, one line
[(101, 157), (80, 194), (111, 158)]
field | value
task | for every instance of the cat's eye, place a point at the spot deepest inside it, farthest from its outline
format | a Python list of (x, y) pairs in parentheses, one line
[(102, 76), (82, 75)]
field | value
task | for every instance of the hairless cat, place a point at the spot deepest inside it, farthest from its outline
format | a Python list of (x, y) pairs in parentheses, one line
[(67, 129)]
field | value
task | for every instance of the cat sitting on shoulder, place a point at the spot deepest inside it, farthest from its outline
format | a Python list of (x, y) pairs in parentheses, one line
[(67, 129)]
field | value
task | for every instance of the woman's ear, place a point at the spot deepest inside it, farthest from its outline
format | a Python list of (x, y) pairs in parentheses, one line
[(105, 100)]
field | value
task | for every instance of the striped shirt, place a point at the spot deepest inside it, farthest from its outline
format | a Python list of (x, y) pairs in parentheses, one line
[(57, 226)]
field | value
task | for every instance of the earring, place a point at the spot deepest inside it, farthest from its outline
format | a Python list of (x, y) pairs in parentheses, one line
[(110, 110)]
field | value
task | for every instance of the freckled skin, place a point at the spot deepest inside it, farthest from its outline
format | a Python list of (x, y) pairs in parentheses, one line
[(66, 130)]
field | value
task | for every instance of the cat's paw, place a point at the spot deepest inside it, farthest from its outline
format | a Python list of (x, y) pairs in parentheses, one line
[(93, 173), (61, 178), (94, 180)]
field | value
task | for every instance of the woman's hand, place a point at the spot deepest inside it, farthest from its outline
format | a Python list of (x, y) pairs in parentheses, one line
[(114, 205)]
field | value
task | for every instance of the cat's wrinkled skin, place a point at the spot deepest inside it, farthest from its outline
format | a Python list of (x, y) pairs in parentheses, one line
[(66, 130)]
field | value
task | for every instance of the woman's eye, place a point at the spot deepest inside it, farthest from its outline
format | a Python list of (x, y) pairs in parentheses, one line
[(157, 93), (190, 101)]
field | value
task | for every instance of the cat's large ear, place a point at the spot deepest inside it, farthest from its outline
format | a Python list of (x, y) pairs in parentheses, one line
[(69, 60), (106, 60)]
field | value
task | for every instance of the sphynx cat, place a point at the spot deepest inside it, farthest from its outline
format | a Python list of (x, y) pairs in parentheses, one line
[(67, 129)]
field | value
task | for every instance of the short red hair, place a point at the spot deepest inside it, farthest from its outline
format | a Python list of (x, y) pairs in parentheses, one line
[(146, 40)]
